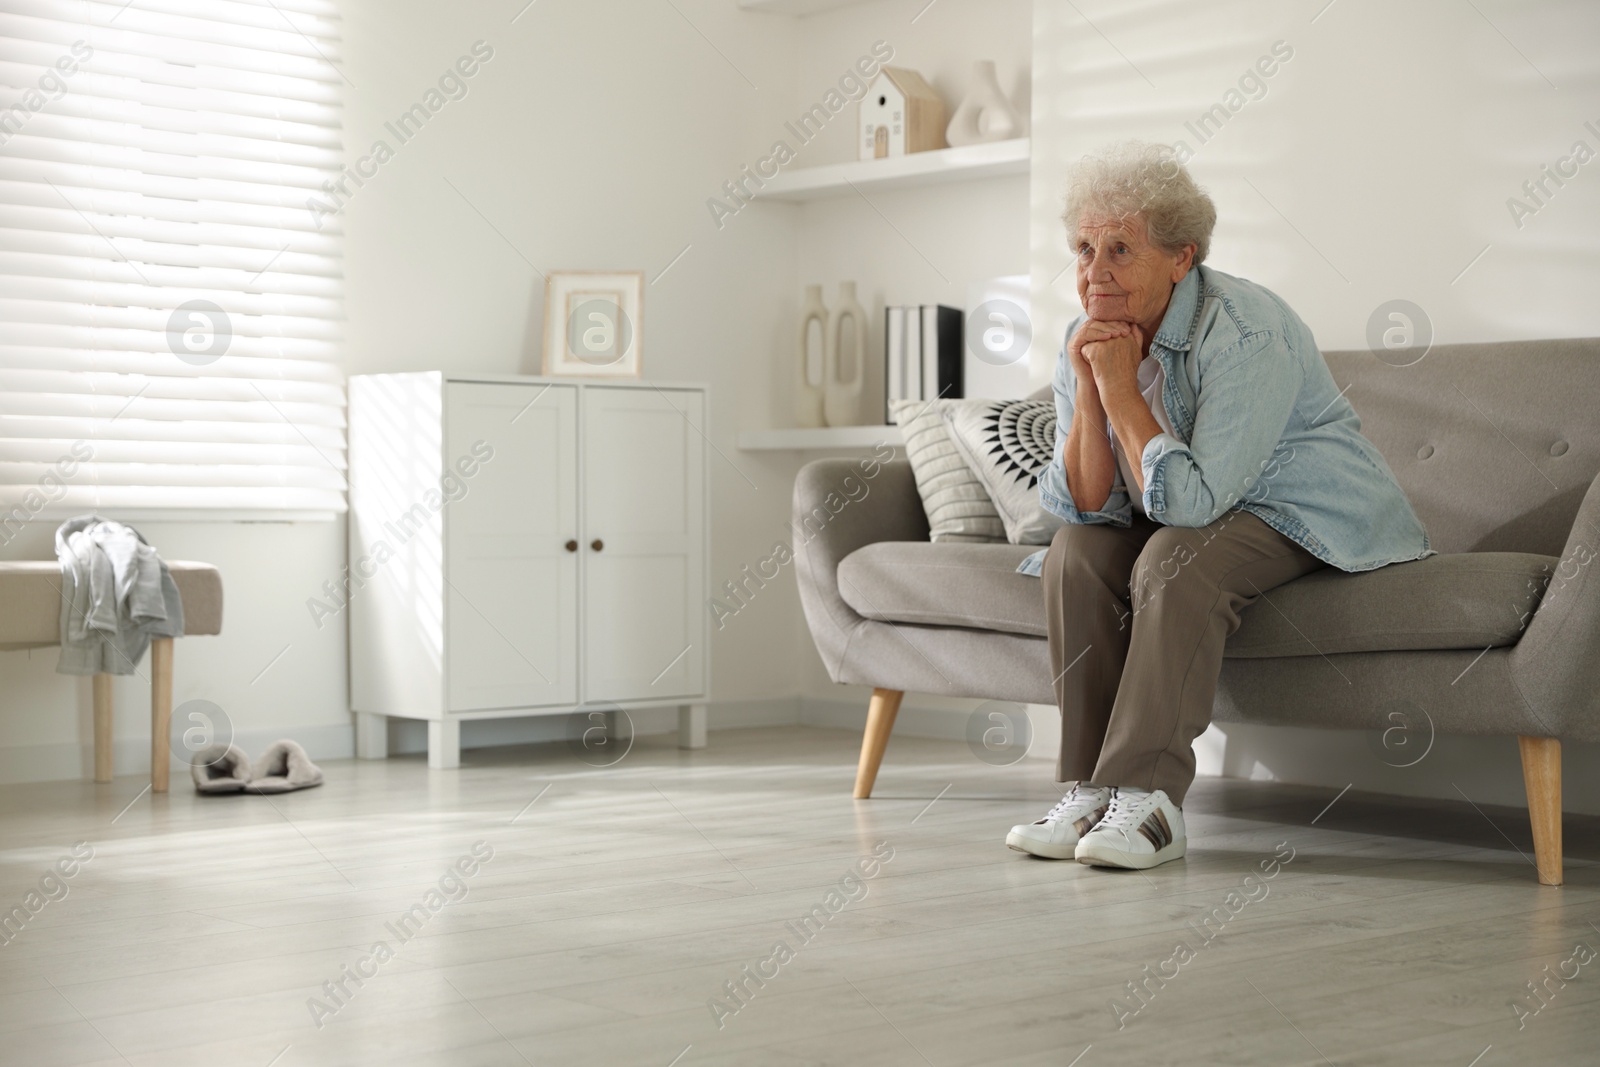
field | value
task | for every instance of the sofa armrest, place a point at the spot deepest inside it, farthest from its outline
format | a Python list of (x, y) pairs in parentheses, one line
[(1556, 664), (839, 506)]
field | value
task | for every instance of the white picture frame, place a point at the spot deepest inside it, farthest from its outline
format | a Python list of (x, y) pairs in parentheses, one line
[(592, 323)]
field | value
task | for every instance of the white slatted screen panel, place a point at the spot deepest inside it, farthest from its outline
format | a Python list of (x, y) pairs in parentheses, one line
[(157, 154)]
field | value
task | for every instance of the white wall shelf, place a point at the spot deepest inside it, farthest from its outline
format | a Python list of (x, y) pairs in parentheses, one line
[(900, 172), (821, 437)]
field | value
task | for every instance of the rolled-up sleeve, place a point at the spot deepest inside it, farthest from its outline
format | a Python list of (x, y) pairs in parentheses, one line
[(1053, 492), (1242, 409)]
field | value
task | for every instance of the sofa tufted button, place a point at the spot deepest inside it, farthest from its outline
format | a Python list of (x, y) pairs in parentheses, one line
[(1425, 451), (1558, 449)]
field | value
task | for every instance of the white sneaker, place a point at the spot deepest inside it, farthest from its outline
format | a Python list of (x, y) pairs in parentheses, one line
[(1055, 837), (1141, 830)]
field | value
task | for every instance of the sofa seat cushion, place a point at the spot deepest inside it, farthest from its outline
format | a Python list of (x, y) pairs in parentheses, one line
[(1466, 600), (951, 584), (1459, 600)]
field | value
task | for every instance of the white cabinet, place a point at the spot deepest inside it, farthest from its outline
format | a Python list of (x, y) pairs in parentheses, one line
[(524, 546), (643, 486), (511, 587)]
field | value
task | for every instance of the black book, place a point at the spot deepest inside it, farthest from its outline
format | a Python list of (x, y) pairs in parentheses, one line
[(941, 352)]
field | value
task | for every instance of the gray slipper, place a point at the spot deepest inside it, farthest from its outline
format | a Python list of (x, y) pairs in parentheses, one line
[(282, 768), (220, 769)]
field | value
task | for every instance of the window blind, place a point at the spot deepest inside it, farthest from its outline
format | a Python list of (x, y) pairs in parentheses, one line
[(169, 308)]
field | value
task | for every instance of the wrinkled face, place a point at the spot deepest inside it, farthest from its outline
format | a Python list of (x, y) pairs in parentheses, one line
[(1122, 277)]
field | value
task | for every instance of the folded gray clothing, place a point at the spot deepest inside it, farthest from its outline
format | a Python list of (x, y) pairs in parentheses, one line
[(116, 595), (282, 768), (220, 769)]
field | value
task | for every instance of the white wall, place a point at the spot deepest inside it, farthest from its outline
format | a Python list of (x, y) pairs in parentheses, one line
[(915, 246), (1377, 165), (597, 132), (591, 139)]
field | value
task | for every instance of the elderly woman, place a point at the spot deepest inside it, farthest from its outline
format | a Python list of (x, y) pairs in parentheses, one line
[(1203, 456)]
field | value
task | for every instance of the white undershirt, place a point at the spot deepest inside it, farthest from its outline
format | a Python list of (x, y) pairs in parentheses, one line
[(1151, 381)]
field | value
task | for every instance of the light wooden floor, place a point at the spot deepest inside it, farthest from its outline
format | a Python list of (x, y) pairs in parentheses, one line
[(620, 901)]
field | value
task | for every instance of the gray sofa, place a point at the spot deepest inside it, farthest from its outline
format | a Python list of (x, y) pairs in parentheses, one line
[(1497, 446)]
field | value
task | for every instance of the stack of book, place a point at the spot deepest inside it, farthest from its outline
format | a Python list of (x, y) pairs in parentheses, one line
[(921, 354)]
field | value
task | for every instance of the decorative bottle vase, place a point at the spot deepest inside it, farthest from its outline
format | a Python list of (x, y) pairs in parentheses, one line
[(842, 402), (985, 114), (809, 383)]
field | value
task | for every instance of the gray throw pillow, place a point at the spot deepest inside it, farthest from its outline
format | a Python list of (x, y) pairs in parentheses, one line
[(1008, 444), (957, 505)]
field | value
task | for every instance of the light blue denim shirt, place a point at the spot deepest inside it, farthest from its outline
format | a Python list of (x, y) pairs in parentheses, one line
[(1260, 426)]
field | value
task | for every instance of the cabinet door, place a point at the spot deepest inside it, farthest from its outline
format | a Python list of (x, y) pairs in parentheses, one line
[(511, 584), (644, 504)]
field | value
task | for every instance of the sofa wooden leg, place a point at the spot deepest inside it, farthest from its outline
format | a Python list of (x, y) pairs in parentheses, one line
[(160, 714), (102, 728), (880, 720), (1541, 776)]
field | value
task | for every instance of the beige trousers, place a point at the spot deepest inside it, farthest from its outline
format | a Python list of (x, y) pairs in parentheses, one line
[(1137, 618)]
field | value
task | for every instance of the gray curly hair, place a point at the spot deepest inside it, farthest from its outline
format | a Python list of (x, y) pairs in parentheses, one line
[(1133, 179)]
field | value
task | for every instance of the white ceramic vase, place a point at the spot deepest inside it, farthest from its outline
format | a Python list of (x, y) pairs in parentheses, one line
[(809, 389), (844, 400), (985, 114)]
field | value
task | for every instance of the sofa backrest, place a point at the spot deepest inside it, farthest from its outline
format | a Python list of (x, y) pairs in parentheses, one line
[(1495, 443)]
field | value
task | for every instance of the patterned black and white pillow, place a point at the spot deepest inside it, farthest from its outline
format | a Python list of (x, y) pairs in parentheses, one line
[(1008, 444)]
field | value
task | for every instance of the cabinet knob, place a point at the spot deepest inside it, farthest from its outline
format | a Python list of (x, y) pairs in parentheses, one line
[(572, 546), (597, 544)]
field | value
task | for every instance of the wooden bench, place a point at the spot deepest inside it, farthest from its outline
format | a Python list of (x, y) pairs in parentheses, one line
[(30, 617)]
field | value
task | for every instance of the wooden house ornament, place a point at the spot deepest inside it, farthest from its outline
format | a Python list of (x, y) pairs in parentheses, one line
[(899, 114)]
